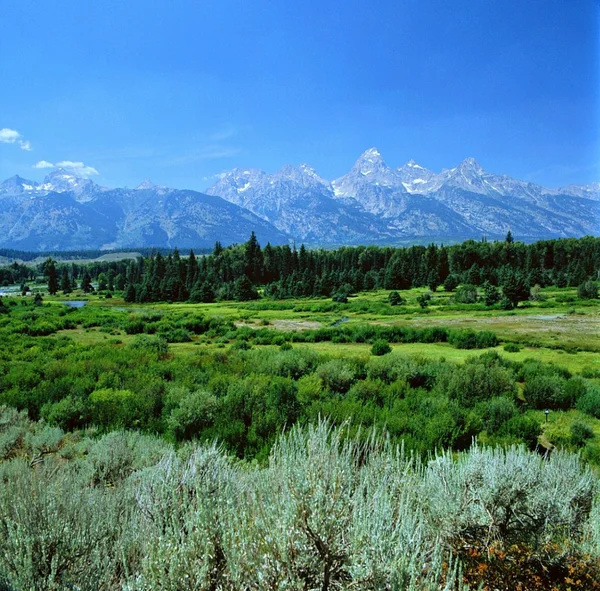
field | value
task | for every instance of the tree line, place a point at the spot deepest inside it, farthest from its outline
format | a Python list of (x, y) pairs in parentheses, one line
[(235, 272)]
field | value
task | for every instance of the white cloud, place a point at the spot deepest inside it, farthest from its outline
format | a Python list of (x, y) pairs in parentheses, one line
[(78, 168), (12, 136), (215, 177), (43, 164), (9, 136)]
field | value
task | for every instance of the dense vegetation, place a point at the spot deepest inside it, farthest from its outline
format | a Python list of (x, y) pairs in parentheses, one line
[(110, 477), (235, 272), (267, 380), (127, 511)]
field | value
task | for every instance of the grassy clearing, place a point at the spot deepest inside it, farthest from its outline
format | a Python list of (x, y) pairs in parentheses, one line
[(560, 329)]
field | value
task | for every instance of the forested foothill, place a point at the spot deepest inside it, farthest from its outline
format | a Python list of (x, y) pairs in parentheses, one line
[(279, 418)]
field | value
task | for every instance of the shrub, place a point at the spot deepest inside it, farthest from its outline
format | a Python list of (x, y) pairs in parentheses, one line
[(336, 375), (512, 348), (466, 294), (380, 347), (580, 433), (395, 299), (470, 339), (424, 299), (451, 282), (475, 382), (69, 413), (111, 408), (155, 345), (497, 412), (545, 391), (588, 290), (589, 403), (194, 412), (525, 429)]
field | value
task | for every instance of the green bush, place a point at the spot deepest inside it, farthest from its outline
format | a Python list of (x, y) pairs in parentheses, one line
[(380, 347), (466, 294), (545, 391), (580, 433), (512, 348), (470, 339), (395, 299), (590, 402), (498, 411), (588, 290), (476, 382), (194, 413), (336, 375)]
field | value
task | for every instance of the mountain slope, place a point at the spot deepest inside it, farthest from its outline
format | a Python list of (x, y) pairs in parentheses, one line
[(411, 202), (65, 212), (372, 203), (302, 204)]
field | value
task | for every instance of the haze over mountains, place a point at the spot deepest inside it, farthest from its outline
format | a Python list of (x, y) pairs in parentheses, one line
[(372, 203)]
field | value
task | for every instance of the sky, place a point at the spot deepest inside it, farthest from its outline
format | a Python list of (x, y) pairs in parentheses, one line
[(179, 91)]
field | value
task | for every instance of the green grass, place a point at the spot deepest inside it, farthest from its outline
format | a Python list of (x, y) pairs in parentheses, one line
[(561, 329)]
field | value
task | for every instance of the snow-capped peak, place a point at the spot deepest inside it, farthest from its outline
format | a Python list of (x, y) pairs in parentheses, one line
[(370, 160), (470, 164), (16, 185), (65, 181), (303, 175), (146, 184)]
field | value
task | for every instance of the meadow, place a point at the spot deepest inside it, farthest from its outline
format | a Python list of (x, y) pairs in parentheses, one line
[(558, 333), (299, 443)]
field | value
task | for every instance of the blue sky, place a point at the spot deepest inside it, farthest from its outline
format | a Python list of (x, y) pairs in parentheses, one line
[(180, 91)]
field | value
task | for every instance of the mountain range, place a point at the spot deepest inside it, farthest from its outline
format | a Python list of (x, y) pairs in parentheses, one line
[(372, 204)]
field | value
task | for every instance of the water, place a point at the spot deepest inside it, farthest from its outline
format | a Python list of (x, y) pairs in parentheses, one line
[(75, 303), (8, 291)]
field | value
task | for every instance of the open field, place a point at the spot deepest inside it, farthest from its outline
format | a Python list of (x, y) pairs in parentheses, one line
[(560, 330)]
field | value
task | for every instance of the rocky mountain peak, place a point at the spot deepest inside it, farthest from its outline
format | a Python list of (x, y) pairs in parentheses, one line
[(303, 175), (369, 162), (16, 184), (470, 165), (146, 184)]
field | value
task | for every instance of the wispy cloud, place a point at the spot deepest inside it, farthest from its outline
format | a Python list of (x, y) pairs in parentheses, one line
[(12, 136), (211, 152), (226, 133), (214, 177), (78, 168)]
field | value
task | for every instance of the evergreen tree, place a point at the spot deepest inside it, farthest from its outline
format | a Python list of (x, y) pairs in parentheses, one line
[(130, 293), (491, 294), (253, 259), (51, 276), (192, 270), (65, 281), (515, 289), (86, 283), (120, 282), (243, 290)]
